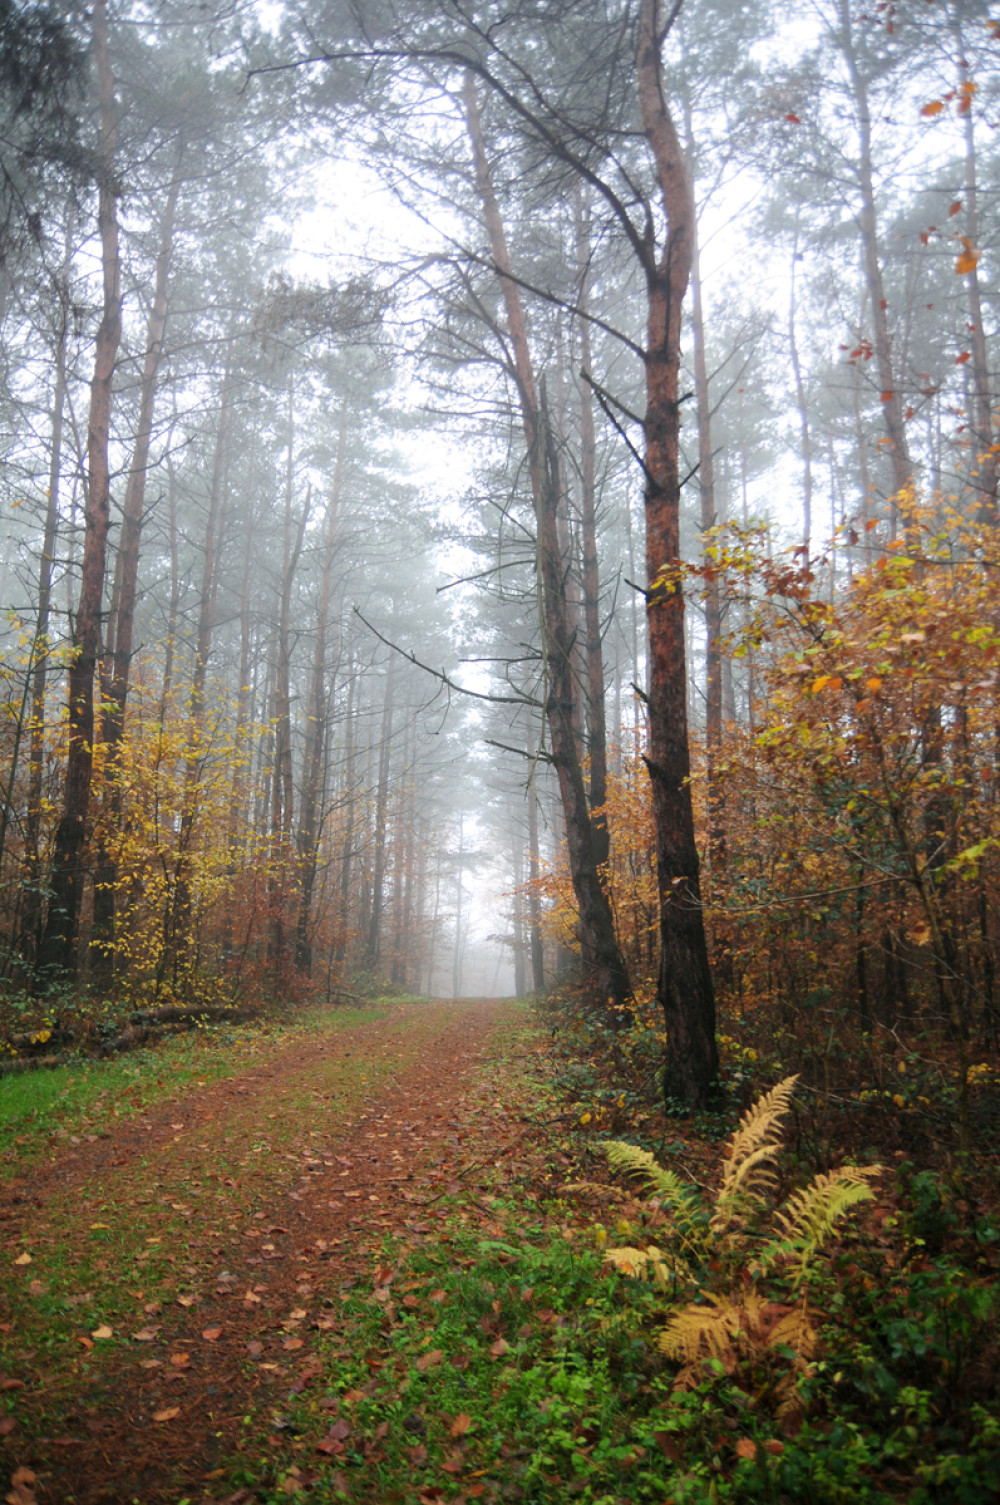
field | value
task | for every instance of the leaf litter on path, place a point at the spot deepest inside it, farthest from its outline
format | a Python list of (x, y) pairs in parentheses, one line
[(300, 1249)]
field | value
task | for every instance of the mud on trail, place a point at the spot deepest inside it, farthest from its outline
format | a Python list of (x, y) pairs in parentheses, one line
[(180, 1266)]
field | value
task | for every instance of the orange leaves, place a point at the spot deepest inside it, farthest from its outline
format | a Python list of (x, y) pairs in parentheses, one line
[(969, 259), (933, 108), (827, 682)]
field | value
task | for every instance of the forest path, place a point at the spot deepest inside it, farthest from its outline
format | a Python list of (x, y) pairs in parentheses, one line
[(180, 1263)]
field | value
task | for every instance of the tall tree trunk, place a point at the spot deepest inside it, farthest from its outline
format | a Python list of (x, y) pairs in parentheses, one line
[(32, 912), (316, 724), (605, 975), (282, 789), (57, 952), (120, 634), (685, 990), (891, 397), (805, 432), (597, 740), (708, 519), (374, 943), (985, 464), (456, 970), (178, 916), (350, 801), (536, 942)]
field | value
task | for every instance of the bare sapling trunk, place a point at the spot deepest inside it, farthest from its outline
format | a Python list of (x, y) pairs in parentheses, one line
[(57, 952), (605, 974), (685, 989)]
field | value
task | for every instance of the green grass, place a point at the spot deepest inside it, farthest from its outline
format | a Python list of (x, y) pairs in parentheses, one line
[(88, 1096)]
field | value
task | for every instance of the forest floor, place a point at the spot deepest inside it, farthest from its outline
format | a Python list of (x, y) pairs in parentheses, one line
[(362, 1257), (167, 1276)]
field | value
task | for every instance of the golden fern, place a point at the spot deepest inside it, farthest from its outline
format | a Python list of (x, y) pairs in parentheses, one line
[(635, 1162), (809, 1216), (730, 1328), (658, 1264), (678, 1201), (748, 1170)]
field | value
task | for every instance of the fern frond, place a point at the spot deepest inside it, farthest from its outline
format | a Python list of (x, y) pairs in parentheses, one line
[(713, 1331), (810, 1215), (679, 1202), (660, 1265), (796, 1331), (635, 1162), (747, 1172)]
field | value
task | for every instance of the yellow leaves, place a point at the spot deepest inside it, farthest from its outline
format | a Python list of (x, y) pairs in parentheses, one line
[(103, 1332), (23, 1259), (969, 259), (827, 682)]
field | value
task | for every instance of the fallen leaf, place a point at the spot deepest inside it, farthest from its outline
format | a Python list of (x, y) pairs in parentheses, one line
[(24, 1259), (102, 1332), (290, 1344), (461, 1424), (772, 1445), (255, 1349), (7, 1425), (22, 1487), (499, 1348), (180, 1360), (168, 1414), (186, 1300), (146, 1334), (428, 1360), (746, 1448), (211, 1334)]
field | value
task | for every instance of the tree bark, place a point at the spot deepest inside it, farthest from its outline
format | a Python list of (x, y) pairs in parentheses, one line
[(32, 912), (597, 740), (316, 724), (605, 975), (57, 952), (891, 397), (120, 634), (685, 990)]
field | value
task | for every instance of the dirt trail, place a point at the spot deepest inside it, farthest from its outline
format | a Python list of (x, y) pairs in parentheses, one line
[(273, 1278)]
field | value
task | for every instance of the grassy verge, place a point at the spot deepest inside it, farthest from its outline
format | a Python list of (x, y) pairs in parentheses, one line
[(87, 1097)]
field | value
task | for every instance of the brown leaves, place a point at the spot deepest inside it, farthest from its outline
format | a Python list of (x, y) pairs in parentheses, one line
[(145, 1335), (499, 1348), (461, 1424), (167, 1414), (212, 1334), (430, 1360), (22, 1488)]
